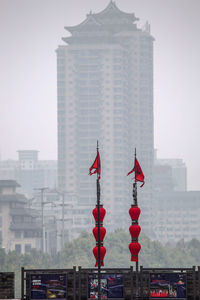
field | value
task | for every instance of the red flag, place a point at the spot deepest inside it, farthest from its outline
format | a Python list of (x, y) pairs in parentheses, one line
[(96, 167), (138, 172)]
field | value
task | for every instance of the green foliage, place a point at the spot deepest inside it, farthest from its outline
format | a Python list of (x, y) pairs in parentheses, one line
[(2, 257), (79, 253)]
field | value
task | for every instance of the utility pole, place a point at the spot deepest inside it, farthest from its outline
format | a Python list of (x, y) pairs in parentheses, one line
[(63, 224), (62, 204), (42, 190), (62, 194)]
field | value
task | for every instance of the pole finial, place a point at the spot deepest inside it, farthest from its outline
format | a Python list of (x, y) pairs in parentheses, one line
[(97, 145)]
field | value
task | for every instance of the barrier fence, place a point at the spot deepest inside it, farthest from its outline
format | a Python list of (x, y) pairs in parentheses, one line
[(7, 285), (116, 283)]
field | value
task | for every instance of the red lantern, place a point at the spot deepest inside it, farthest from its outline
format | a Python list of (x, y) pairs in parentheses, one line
[(102, 213), (134, 230), (102, 254), (134, 248), (102, 233), (134, 212)]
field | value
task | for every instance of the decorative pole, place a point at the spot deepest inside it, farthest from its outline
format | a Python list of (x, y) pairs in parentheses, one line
[(98, 226), (99, 213), (136, 204), (134, 213)]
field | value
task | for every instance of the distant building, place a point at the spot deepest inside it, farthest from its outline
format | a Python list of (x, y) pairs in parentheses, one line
[(50, 208), (163, 178), (177, 216), (177, 211), (169, 173), (179, 172), (19, 227), (29, 171), (105, 92), (63, 216)]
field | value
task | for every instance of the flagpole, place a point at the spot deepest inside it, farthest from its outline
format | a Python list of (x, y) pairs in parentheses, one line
[(135, 183), (98, 227), (135, 196)]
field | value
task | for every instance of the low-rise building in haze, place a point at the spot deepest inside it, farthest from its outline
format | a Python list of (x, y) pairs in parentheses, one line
[(177, 211), (19, 227), (29, 171), (177, 216)]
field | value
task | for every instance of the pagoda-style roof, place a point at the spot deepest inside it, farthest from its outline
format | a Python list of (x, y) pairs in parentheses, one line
[(111, 19), (89, 22), (113, 10)]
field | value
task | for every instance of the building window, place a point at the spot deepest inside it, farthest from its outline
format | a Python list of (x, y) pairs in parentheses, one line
[(18, 234), (28, 234), (18, 248), (27, 248)]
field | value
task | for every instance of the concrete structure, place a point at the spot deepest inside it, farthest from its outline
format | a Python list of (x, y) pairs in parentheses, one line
[(105, 92), (29, 171), (19, 229)]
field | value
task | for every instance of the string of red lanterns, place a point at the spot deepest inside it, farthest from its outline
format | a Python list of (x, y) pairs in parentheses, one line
[(102, 213), (134, 230)]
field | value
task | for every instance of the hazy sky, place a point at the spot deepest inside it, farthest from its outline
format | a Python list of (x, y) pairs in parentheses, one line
[(31, 30)]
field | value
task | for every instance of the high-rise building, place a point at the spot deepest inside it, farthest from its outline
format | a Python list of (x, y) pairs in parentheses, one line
[(105, 93)]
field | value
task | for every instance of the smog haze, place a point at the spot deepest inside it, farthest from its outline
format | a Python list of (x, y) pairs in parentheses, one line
[(31, 30)]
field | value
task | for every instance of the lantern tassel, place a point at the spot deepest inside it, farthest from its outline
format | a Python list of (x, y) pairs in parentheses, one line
[(102, 263), (134, 258)]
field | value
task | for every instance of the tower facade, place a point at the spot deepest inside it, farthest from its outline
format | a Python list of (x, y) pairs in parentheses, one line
[(105, 93)]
